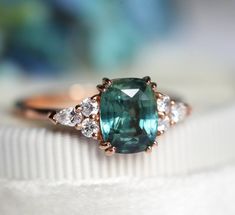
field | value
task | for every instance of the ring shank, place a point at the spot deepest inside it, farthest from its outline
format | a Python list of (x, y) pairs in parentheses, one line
[(39, 107)]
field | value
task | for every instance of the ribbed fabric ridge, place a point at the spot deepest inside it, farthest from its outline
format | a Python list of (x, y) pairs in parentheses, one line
[(36, 153)]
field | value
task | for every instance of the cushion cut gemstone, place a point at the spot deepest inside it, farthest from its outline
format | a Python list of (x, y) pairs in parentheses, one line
[(128, 116)]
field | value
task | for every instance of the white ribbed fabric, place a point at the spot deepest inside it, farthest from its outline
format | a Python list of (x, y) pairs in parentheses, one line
[(37, 153), (207, 193)]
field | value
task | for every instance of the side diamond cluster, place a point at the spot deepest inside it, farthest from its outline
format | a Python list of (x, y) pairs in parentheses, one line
[(82, 117), (170, 112)]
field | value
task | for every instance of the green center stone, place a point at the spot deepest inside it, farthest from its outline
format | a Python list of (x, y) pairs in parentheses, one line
[(128, 116)]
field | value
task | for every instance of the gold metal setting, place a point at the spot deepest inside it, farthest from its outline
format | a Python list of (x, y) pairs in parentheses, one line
[(148, 149), (147, 79), (106, 146), (107, 82), (110, 151), (51, 117)]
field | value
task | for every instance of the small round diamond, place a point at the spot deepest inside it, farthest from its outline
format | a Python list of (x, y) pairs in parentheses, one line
[(163, 104), (178, 112), (68, 117), (89, 127), (163, 124), (89, 107)]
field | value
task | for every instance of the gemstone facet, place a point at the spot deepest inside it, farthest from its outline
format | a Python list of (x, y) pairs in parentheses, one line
[(128, 115), (68, 117), (89, 127), (163, 104), (89, 107), (163, 124), (178, 112)]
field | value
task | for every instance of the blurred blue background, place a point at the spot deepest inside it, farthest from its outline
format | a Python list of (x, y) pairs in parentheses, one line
[(47, 37), (186, 46)]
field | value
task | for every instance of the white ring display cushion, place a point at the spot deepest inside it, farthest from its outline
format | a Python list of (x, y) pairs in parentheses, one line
[(207, 193), (201, 142)]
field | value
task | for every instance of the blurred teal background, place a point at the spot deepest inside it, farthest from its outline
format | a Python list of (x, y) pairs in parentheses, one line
[(47, 37), (186, 46)]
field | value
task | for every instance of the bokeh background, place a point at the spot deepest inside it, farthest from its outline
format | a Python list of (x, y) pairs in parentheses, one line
[(187, 46), (45, 37), (39, 37)]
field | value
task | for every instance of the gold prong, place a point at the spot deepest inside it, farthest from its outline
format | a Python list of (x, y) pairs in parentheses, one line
[(154, 86), (51, 117), (155, 144), (172, 123), (94, 116), (148, 149), (147, 79), (159, 95), (159, 133), (95, 98), (101, 88), (104, 145), (110, 151), (99, 137), (78, 127), (78, 108), (95, 136), (161, 114), (107, 82)]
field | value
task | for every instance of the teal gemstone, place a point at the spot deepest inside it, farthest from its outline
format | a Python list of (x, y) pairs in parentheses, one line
[(128, 116)]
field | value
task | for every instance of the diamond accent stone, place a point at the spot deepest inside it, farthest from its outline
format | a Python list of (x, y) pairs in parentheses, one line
[(89, 127), (163, 124), (163, 104), (178, 112), (68, 117), (89, 107)]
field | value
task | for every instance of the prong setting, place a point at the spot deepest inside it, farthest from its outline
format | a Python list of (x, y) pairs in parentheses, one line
[(51, 117), (161, 114), (89, 113), (147, 79), (159, 133), (148, 149), (101, 88), (104, 145), (95, 98), (78, 108), (78, 127), (95, 136), (110, 151), (155, 144), (107, 82), (154, 86)]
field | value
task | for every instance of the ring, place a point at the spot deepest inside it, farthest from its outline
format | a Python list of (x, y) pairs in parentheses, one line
[(126, 116)]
